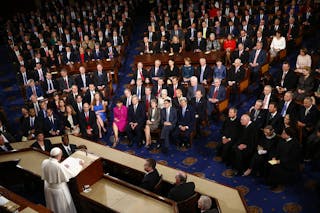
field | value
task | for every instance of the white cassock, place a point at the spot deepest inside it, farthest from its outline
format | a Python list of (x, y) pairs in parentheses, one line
[(56, 191)]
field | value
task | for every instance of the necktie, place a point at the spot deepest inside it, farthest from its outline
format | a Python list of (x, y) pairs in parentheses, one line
[(306, 112), (289, 32), (183, 111), (201, 75), (139, 92), (34, 91), (66, 82), (128, 102), (284, 109), (79, 107), (135, 108), (256, 56), (215, 93), (141, 75), (84, 80), (31, 122), (255, 115), (168, 114), (265, 105), (87, 117), (25, 80), (174, 91), (147, 104), (156, 72), (282, 79)]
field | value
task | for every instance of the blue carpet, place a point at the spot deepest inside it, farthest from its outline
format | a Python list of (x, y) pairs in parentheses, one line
[(199, 160)]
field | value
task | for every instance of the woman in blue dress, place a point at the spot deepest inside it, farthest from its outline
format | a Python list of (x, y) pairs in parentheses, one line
[(99, 107), (187, 70), (219, 70)]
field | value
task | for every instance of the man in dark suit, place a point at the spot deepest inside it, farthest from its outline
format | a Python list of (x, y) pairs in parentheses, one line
[(30, 125), (69, 57), (66, 147), (287, 79), (88, 123), (194, 86), (147, 46), (151, 178), (288, 105), (111, 51), (156, 72), (247, 27), (157, 88), (33, 89), (257, 58), (267, 97), (136, 122), (65, 81), (172, 88), (52, 124), (140, 73), (203, 72), (307, 117), (146, 99), (50, 85), (182, 190), (199, 44), (185, 124), (162, 46), (291, 32), (231, 29), (257, 114), (216, 94), (245, 145), (39, 72), (245, 40), (230, 131), (98, 53), (83, 80), (274, 118), (236, 74), (199, 104), (23, 76), (240, 53), (138, 89), (101, 80), (168, 122)]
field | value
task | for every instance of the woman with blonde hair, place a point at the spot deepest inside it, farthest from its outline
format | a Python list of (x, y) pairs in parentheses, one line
[(71, 122), (153, 121)]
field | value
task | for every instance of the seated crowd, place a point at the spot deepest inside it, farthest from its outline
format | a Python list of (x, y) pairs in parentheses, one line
[(174, 103)]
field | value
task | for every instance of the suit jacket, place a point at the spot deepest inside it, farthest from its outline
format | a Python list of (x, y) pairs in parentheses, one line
[(294, 31), (248, 136), (75, 119), (26, 125), (114, 51), (56, 125), (181, 192), (235, 31), (290, 80), (311, 118), (45, 85), (237, 77), (165, 47), (98, 55), (134, 91), (80, 83), (207, 74), (221, 93), (100, 80), (172, 117), (201, 46), (260, 120), (73, 57), (190, 93), (188, 119), (137, 117), (62, 84), (38, 91), (47, 145), (275, 121), (292, 109), (150, 180), (20, 77), (65, 154), (171, 89), (144, 74), (92, 123), (247, 43), (244, 57), (159, 74), (200, 108), (262, 57)]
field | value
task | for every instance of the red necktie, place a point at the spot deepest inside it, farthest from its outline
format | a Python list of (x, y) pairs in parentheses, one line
[(141, 75), (147, 104), (174, 91), (87, 119), (289, 32), (215, 94)]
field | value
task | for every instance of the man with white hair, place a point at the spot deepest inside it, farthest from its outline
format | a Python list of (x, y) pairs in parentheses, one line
[(55, 176), (182, 189), (205, 203), (194, 87)]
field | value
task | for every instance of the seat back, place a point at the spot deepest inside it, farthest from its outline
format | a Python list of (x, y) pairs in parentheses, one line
[(189, 205), (264, 68), (223, 105), (157, 187)]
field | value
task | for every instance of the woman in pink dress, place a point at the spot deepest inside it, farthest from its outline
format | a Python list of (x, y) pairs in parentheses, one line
[(119, 120)]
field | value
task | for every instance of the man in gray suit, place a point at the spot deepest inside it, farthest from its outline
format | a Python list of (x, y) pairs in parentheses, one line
[(168, 122), (194, 87)]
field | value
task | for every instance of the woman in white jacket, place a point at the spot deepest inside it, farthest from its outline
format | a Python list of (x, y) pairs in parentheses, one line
[(278, 43)]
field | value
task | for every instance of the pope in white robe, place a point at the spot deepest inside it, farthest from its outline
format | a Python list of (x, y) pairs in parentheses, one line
[(56, 176)]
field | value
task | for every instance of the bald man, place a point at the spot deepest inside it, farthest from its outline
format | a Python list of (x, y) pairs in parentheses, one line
[(245, 145), (182, 189)]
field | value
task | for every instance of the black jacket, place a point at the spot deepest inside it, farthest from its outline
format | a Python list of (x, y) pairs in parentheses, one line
[(150, 180)]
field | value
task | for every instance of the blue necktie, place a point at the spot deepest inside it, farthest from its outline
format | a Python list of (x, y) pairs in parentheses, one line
[(284, 109)]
